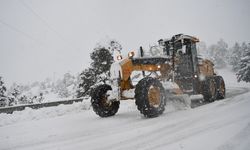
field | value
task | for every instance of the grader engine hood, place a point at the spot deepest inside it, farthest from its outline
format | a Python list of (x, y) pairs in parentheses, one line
[(123, 69)]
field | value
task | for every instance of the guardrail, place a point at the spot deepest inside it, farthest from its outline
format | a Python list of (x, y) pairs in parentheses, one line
[(11, 109)]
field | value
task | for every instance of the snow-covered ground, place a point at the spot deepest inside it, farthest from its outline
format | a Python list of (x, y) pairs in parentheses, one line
[(222, 125)]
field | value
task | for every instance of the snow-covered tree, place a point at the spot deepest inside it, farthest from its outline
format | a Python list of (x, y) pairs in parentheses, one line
[(64, 87), (23, 100), (68, 79), (63, 91), (101, 60), (14, 94), (3, 89), (235, 56), (219, 53), (40, 98), (99, 70), (87, 80), (243, 73)]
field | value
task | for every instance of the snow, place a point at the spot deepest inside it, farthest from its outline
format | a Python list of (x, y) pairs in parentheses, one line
[(48, 112), (222, 125), (115, 70), (129, 93), (50, 97), (170, 85), (231, 79)]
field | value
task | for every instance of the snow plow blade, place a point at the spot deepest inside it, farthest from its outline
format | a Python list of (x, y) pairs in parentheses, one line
[(182, 102), (178, 102), (197, 100)]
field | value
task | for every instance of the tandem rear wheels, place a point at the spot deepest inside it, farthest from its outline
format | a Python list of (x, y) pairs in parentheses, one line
[(213, 88)]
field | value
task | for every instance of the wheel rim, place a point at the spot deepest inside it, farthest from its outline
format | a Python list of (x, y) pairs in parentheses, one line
[(154, 96), (104, 102), (212, 88), (222, 88)]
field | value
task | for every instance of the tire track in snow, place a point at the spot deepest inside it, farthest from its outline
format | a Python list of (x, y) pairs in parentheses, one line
[(238, 141), (178, 135), (234, 91), (152, 137)]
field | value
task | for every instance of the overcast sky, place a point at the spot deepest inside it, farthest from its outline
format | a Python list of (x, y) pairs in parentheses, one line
[(43, 38)]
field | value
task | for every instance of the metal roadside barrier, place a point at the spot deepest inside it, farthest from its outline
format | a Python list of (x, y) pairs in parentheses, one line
[(11, 109)]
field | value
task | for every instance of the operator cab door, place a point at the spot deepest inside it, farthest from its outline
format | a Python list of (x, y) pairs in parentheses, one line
[(186, 67)]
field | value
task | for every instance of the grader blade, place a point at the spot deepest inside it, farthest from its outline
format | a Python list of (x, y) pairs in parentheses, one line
[(178, 102)]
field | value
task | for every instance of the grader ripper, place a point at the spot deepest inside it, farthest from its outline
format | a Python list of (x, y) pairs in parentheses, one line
[(177, 71)]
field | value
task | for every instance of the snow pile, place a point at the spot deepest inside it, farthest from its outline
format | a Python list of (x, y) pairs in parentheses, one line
[(48, 112)]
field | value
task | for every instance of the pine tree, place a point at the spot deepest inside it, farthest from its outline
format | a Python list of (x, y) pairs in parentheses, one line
[(243, 73), (102, 60), (219, 53), (23, 99), (99, 70), (65, 86), (63, 92), (68, 79), (2, 88), (3, 97), (235, 56), (87, 80), (14, 94)]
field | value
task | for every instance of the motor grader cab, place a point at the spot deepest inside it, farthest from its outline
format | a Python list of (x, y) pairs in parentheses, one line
[(177, 71)]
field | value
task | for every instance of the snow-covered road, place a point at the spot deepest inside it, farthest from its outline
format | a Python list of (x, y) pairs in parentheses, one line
[(222, 125)]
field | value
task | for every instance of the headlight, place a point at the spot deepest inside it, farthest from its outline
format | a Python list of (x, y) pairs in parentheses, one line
[(119, 57), (131, 54)]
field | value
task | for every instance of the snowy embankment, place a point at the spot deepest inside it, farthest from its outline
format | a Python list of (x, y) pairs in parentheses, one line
[(222, 125), (42, 113)]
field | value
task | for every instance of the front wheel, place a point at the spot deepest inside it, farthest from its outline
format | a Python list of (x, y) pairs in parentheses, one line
[(100, 103), (220, 86), (209, 89), (150, 97)]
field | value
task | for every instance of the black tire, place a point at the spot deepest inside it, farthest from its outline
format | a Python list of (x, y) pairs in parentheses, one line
[(99, 102), (220, 86), (154, 106), (209, 89)]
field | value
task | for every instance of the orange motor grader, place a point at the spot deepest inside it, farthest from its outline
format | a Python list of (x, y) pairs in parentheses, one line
[(176, 71)]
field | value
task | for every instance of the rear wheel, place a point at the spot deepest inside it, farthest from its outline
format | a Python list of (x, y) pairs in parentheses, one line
[(150, 97), (220, 86), (209, 89), (100, 103)]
